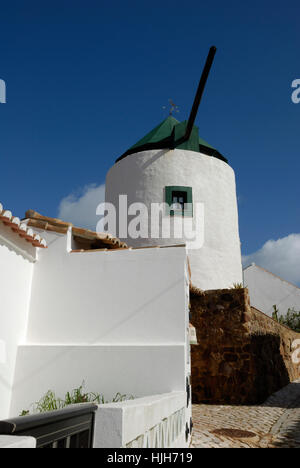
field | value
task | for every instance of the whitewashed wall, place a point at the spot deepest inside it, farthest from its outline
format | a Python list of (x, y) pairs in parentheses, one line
[(143, 177), (117, 320), (15, 287), (139, 371), (267, 290), (114, 297)]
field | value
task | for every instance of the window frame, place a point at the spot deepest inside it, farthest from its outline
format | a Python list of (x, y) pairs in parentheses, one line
[(189, 196)]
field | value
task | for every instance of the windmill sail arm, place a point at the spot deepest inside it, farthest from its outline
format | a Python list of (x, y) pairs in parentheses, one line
[(200, 90)]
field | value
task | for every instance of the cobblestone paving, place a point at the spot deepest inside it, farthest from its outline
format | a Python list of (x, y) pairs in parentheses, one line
[(274, 424)]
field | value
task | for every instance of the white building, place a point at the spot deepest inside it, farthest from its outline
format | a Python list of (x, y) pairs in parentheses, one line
[(88, 308), (267, 290), (19, 247), (194, 177)]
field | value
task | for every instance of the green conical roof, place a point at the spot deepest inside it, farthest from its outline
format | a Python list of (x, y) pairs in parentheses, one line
[(161, 132), (170, 134)]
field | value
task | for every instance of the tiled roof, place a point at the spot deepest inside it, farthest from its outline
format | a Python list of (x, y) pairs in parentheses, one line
[(83, 236), (21, 229), (105, 238)]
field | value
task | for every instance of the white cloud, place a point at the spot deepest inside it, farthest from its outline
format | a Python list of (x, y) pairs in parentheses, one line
[(281, 257), (80, 209)]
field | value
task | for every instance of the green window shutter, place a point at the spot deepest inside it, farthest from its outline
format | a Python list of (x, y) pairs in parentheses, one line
[(188, 191)]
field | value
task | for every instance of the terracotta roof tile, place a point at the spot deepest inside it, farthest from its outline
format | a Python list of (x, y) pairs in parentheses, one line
[(81, 235), (21, 229)]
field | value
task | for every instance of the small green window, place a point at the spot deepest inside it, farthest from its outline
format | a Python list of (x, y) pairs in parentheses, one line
[(180, 200)]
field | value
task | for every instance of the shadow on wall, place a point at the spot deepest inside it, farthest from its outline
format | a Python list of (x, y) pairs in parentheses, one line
[(270, 372), (246, 375)]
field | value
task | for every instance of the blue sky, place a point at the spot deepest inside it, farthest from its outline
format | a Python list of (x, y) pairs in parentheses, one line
[(87, 79)]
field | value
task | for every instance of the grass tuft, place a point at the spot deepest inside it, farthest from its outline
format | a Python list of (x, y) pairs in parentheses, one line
[(50, 402)]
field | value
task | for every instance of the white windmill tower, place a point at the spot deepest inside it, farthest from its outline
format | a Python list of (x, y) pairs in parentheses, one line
[(173, 165)]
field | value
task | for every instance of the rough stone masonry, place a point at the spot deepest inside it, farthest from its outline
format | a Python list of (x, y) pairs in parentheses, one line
[(242, 356)]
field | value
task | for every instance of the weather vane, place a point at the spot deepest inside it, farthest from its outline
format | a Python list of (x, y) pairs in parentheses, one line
[(173, 107)]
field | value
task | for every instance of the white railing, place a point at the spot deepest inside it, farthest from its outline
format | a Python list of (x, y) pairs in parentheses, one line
[(156, 421)]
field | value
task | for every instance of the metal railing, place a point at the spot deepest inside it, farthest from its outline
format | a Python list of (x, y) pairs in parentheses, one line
[(72, 427)]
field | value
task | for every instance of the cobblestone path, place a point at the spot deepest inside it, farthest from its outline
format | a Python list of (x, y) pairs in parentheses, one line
[(274, 424)]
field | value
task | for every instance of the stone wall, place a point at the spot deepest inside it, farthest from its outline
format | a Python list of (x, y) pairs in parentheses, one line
[(242, 356)]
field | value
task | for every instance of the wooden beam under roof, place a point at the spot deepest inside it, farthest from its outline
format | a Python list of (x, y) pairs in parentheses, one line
[(81, 235)]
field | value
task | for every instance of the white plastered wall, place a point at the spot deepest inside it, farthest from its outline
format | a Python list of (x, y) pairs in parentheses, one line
[(266, 290), (117, 320), (113, 297), (16, 270), (131, 370)]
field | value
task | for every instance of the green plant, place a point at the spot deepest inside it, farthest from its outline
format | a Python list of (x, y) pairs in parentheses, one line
[(78, 396), (291, 319), (50, 402), (119, 397), (275, 314), (237, 286)]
